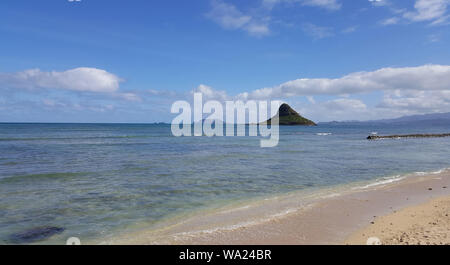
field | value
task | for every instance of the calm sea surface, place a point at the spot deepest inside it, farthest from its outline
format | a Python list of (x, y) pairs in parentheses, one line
[(95, 180)]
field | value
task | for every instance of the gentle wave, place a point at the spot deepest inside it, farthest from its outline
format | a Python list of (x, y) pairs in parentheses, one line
[(382, 181), (397, 178), (239, 225), (421, 173)]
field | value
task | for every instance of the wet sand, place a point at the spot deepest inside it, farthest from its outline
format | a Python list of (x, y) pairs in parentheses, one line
[(348, 218)]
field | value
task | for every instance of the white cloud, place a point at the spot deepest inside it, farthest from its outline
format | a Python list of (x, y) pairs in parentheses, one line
[(405, 91), (211, 94), (397, 91), (52, 104), (317, 32), (345, 104), (269, 4), (426, 77), (328, 4), (78, 79), (434, 37), (83, 79), (311, 99), (429, 10), (227, 15), (256, 21), (127, 96), (163, 93), (336, 109), (257, 29), (350, 29), (230, 17), (416, 101), (379, 2), (432, 11), (390, 21)]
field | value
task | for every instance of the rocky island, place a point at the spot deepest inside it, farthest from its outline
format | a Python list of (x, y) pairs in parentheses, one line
[(288, 116)]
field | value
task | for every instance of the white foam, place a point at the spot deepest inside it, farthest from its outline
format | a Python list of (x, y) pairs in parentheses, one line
[(239, 225), (382, 181), (235, 209), (421, 173), (438, 172), (332, 195)]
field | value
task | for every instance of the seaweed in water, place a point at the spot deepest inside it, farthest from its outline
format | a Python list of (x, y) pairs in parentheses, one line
[(35, 234)]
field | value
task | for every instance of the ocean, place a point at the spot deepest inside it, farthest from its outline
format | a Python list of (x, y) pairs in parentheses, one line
[(95, 181)]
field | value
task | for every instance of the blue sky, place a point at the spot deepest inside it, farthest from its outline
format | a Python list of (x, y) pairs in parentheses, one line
[(128, 61)]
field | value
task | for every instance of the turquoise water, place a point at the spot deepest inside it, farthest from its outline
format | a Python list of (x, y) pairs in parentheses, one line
[(95, 180)]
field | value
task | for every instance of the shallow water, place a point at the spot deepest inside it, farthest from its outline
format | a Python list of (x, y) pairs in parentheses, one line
[(95, 180)]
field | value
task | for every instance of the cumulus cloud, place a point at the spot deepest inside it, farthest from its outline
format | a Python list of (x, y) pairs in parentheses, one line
[(78, 79), (404, 91), (416, 101), (90, 85), (210, 93), (345, 104), (336, 109), (426, 77), (401, 91)]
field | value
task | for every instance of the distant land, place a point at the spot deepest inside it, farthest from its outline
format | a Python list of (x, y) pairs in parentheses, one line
[(426, 119), (289, 116)]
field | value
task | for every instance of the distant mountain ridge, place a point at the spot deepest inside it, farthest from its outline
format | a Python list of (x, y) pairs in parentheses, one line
[(432, 118)]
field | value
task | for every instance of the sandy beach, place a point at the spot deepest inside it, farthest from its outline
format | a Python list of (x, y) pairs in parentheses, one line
[(409, 210), (424, 224)]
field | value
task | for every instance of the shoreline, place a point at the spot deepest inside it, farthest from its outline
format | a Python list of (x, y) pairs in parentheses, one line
[(329, 217)]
